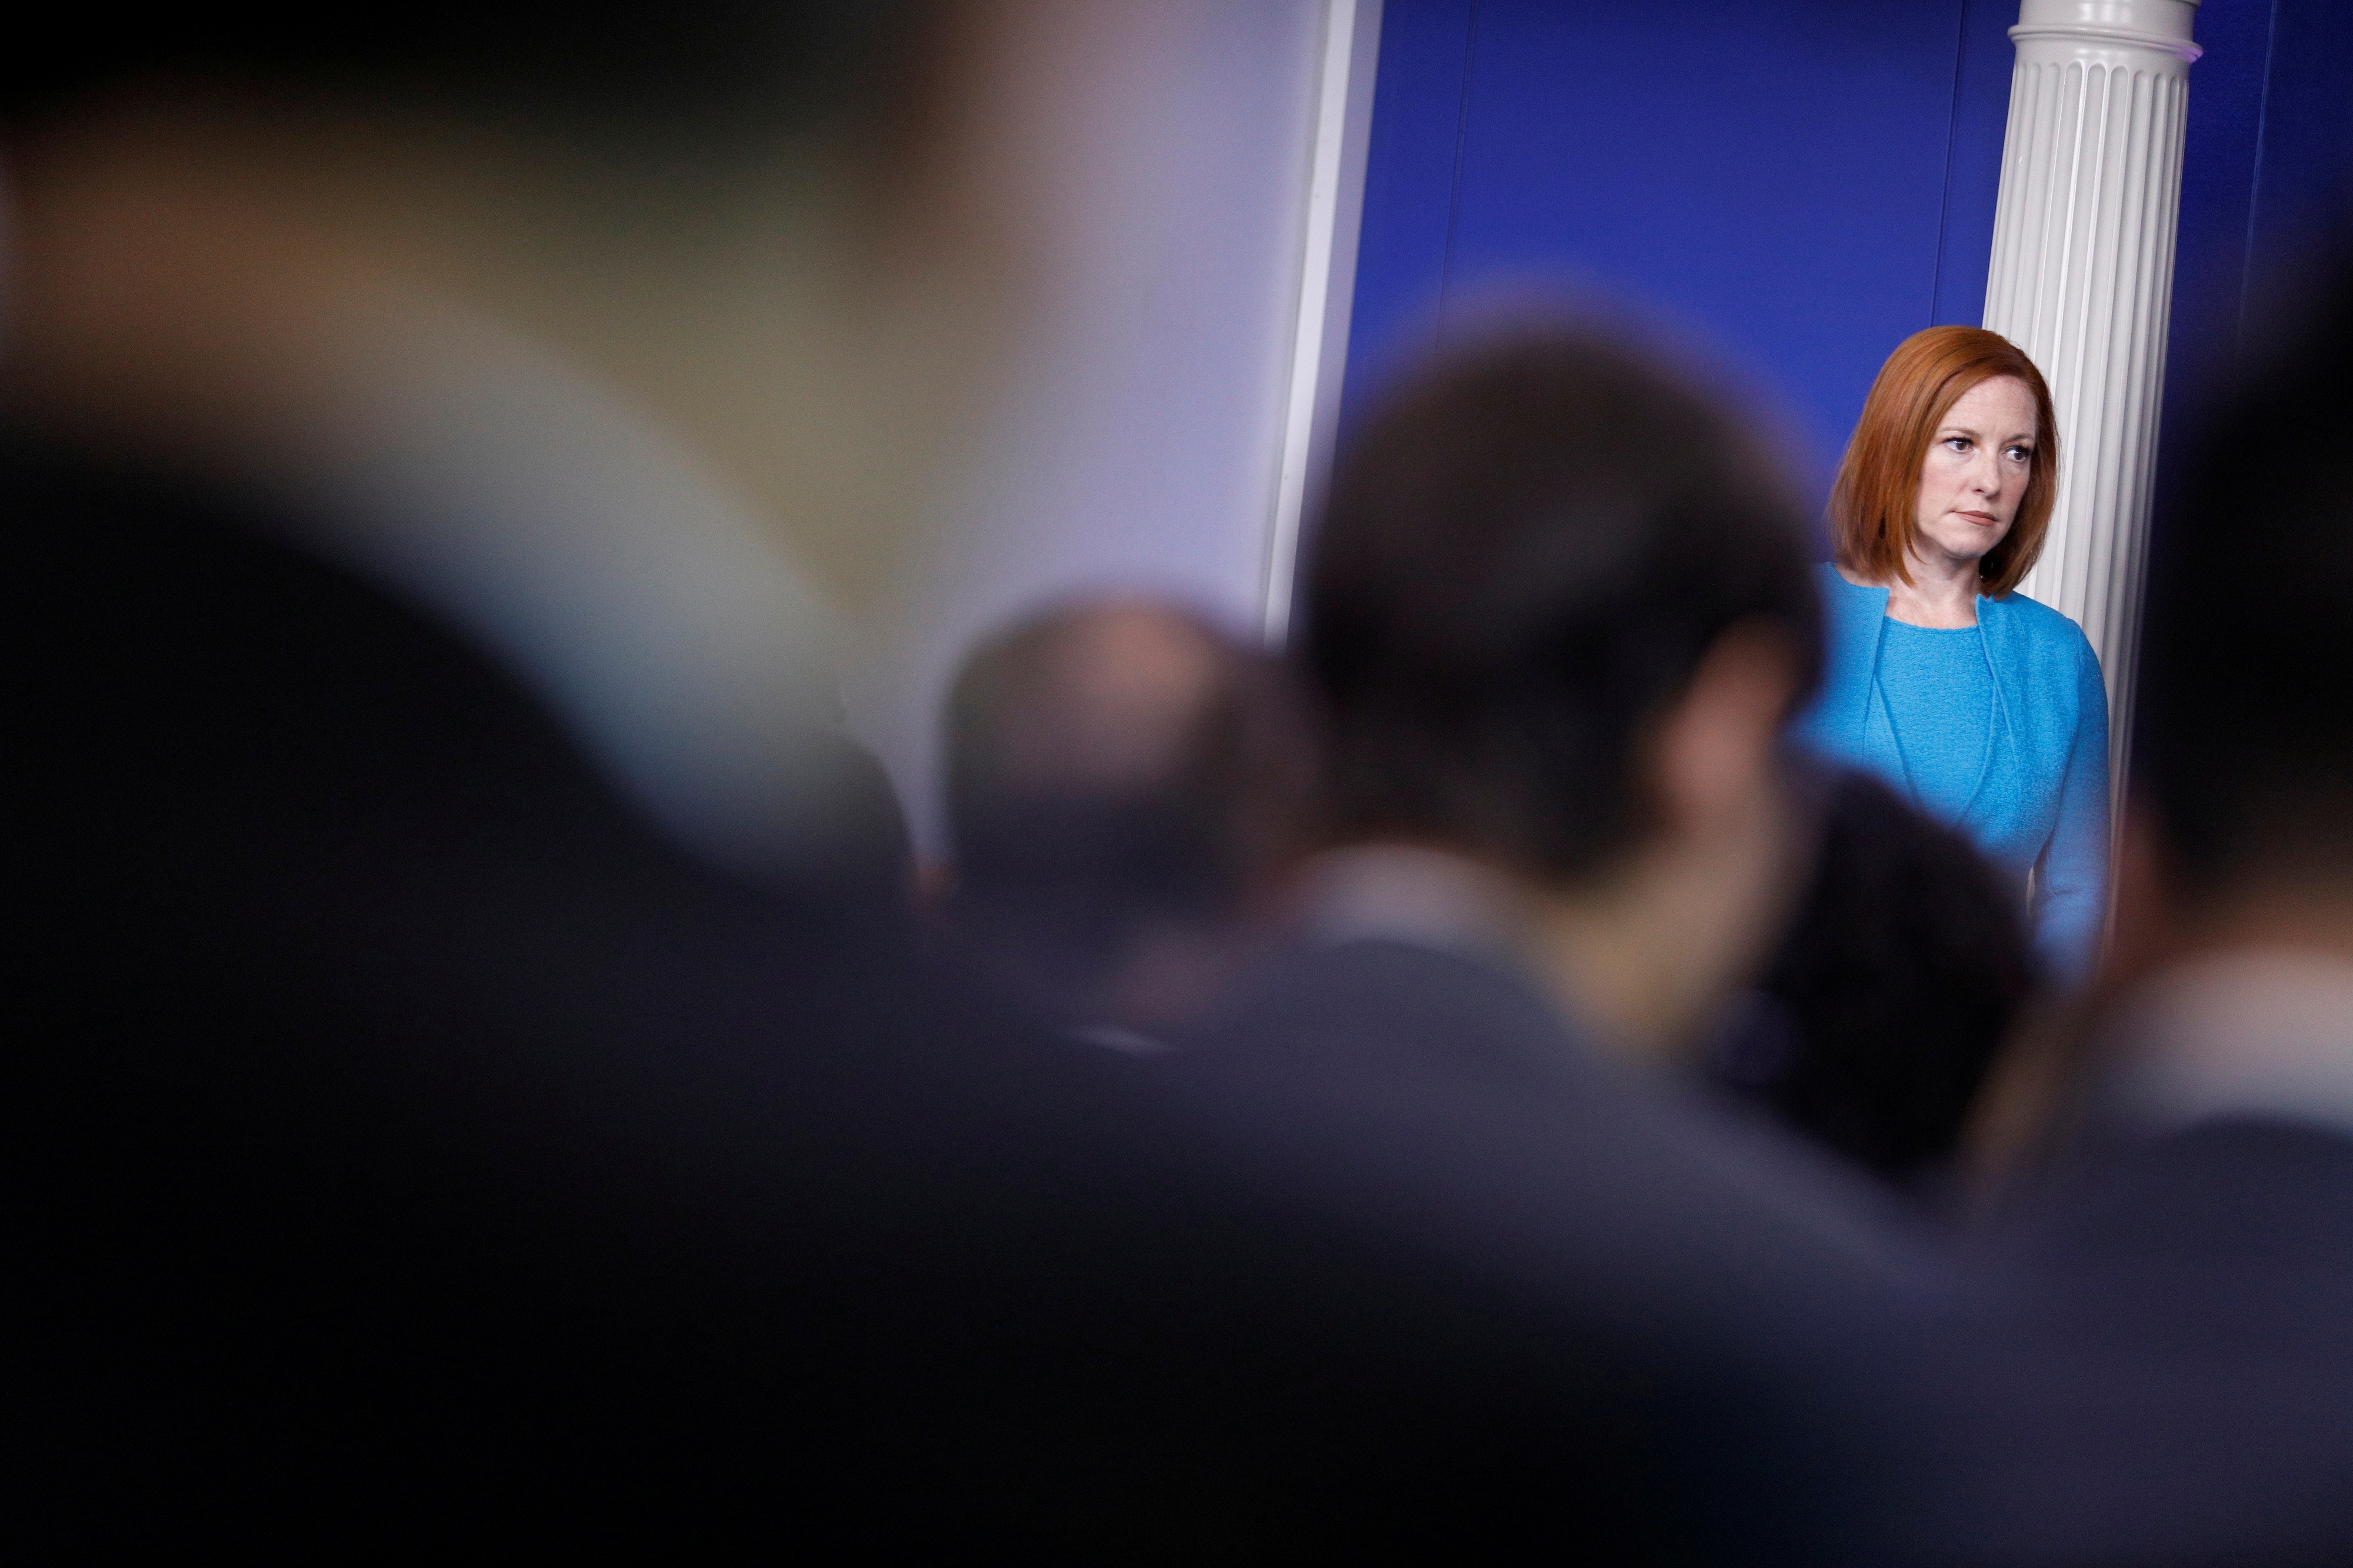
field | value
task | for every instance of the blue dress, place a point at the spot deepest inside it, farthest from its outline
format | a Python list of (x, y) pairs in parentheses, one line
[(2000, 730)]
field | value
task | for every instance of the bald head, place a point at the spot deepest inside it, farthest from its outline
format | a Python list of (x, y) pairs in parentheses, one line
[(1096, 700), (1113, 768)]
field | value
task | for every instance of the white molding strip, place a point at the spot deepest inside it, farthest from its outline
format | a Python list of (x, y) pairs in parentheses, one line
[(1327, 275), (2081, 279)]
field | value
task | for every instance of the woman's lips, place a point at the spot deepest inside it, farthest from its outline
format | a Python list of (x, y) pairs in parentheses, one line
[(1984, 518)]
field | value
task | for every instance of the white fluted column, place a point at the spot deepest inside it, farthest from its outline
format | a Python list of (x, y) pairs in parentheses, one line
[(2081, 279)]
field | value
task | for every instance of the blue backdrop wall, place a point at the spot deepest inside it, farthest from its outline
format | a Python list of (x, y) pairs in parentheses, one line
[(1799, 184), (2268, 173)]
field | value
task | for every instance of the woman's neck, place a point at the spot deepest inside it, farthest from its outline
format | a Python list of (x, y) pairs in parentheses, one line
[(1942, 593)]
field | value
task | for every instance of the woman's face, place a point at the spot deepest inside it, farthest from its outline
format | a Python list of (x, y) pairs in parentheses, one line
[(1976, 471)]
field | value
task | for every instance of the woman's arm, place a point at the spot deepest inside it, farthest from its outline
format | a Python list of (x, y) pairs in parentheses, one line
[(2071, 878)]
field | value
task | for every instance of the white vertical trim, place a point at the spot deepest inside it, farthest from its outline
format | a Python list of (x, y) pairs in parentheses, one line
[(2081, 279), (1327, 271)]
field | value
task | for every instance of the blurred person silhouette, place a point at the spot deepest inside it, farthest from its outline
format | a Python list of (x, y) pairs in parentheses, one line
[(1554, 622), (2159, 1367), (1556, 614), (454, 1101), (443, 866), (1876, 1020), (1124, 784)]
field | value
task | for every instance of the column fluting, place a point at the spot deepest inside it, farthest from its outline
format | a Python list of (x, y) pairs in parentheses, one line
[(2081, 279)]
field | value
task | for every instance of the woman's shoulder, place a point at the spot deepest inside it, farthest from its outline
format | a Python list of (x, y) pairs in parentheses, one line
[(2033, 620), (1834, 582), (1848, 605), (1851, 616), (2047, 650)]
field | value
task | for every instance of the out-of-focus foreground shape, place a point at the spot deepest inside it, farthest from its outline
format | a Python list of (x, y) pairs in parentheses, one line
[(639, 347), (1904, 970), (2157, 1366), (1556, 619), (417, 1142), (1125, 784)]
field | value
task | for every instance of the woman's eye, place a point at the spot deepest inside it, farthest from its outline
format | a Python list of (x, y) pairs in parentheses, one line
[(2021, 454), (1958, 442)]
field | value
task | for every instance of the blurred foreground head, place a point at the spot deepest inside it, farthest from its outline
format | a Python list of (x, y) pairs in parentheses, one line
[(1124, 783), (635, 341), (1557, 614), (1879, 1016), (2237, 851), (2243, 757), (765, 226)]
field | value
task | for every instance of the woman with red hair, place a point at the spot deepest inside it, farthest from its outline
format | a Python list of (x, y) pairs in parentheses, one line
[(1982, 706)]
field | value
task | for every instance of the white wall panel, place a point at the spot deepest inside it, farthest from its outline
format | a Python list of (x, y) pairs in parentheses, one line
[(1138, 442)]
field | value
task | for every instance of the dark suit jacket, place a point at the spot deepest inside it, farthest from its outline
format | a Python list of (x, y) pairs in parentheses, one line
[(2156, 1362), (417, 1147), (1738, 1301)]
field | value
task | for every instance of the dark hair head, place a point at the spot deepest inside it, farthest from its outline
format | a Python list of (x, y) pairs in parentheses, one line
[(1903, 971), (1524, 557), (2244, 740)]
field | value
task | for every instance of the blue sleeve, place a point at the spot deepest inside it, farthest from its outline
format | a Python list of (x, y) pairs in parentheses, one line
[(2071, 877)]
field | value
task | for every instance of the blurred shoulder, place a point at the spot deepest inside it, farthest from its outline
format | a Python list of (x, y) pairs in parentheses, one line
[(1381, 1006)]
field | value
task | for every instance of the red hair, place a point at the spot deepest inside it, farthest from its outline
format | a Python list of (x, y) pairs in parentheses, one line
[(1874, 504)]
